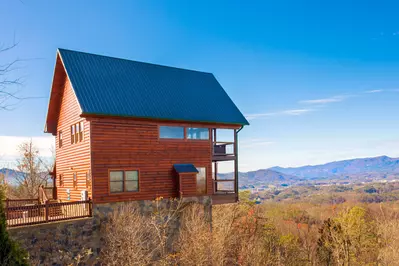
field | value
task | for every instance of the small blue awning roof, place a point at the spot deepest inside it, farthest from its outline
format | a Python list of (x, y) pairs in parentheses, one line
[(185, 168)]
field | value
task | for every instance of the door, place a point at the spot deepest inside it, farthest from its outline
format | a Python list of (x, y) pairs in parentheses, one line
[(201, 180)]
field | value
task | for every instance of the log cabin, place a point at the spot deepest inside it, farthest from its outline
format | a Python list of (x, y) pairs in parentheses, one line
[(130, 131)]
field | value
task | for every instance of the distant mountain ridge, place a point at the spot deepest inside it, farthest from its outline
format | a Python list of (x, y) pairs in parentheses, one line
[(359, 169), (381, 164)]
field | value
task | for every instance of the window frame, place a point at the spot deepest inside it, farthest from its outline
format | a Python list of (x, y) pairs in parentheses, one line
[(77, 132), (73, 134), (191, 139), (81, 132), (173, 139), (124, 170)]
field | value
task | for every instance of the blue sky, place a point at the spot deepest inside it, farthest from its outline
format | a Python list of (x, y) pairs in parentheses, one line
[(319, 81)]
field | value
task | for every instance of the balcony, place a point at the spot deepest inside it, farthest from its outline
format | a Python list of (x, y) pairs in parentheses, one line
[(224, 157), (223, 151)]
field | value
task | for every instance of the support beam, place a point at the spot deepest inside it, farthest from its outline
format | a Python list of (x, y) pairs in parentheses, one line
[(236, 163)]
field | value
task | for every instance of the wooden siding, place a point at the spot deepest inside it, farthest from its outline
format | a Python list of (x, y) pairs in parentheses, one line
[(188, 184), (133, 144), (71, 158)]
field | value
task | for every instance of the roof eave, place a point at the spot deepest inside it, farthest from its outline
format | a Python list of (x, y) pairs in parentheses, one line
[(85, 114)]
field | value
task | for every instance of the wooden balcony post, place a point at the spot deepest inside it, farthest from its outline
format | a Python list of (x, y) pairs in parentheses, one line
[(46, 210), (236, 162), (90, 208)]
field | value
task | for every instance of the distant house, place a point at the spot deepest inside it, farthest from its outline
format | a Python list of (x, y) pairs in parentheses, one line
[(128, 130)]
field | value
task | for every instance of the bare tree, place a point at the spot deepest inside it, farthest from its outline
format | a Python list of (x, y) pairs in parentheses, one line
[(8, 83), (33, 171)]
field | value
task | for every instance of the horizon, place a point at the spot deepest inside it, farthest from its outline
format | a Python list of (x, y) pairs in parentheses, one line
[(313, 93), (12, 166)]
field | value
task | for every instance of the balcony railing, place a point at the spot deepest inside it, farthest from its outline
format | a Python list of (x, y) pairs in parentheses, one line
[(224, 186), (223, 150)]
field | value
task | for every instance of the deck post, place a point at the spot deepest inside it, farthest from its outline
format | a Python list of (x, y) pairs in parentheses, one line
[(236, 163), (216, 177), (46, 210), (90, 208)]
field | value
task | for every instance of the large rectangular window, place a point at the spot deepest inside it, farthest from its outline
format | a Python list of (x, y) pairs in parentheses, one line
[(168, 132), (197, 133), (77, 132), (124, 181)]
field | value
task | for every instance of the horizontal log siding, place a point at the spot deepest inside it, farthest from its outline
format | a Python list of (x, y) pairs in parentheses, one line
[(70, 155), (132, 144), (188, 185)]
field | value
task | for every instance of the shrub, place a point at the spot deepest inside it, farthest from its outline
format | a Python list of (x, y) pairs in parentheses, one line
[(10, 252)]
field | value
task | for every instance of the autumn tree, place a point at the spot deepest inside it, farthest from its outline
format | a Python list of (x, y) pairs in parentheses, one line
[(348, 239)]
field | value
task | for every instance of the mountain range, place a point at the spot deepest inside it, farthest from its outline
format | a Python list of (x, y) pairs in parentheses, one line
[(361, 169)]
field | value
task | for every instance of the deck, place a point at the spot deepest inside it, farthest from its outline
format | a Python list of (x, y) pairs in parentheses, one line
[(30, 214)]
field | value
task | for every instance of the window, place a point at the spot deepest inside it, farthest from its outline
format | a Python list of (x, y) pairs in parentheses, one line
[(197, 133), (77, 132), (60, 139), (81, 131), (75, 180), (167, 132), (123, 181), (72, 134), (201, 180), (61, 180), (88, 180)]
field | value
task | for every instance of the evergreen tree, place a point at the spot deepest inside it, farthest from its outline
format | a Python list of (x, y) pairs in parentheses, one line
[(10, 251)]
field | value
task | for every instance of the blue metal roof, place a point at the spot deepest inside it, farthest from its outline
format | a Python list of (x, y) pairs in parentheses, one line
[(118, 87), (185, 168)]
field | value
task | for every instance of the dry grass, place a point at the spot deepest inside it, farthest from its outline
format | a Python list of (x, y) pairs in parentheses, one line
[(243, 234)]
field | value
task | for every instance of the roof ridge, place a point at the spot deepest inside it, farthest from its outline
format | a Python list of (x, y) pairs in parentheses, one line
[(130, 60)]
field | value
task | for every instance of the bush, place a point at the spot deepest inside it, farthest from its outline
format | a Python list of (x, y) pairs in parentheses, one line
[(10, 252)]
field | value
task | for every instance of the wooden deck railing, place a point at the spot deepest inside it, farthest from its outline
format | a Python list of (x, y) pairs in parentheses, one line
[(20, 202), (30, 214)]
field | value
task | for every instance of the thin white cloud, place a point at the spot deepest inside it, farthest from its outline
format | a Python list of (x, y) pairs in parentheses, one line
[(290, 112), (326, 100), (9, 145), (374, 91)]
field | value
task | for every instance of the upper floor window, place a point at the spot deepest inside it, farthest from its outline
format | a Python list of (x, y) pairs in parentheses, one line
[(169, 132), (60, 139), (81, 131), (124, 181), (72, 134), (77, 132), (197, 133)]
